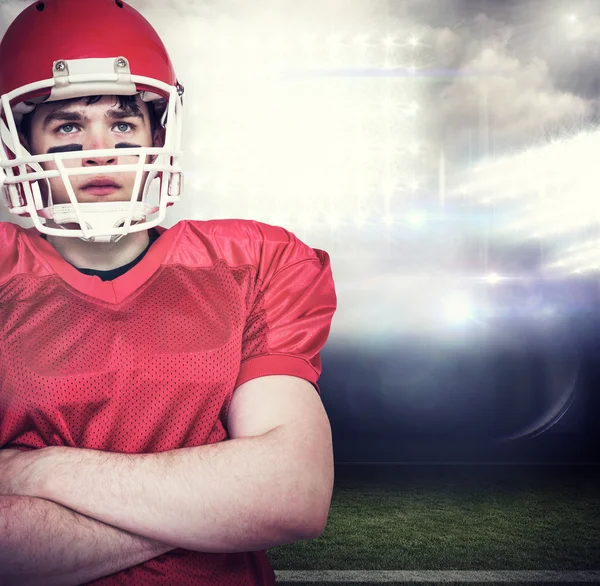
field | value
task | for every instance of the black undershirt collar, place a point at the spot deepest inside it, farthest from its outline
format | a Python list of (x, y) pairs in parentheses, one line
[(114, 273)]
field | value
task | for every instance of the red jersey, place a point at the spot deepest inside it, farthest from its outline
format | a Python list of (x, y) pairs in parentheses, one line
[(148, 362)]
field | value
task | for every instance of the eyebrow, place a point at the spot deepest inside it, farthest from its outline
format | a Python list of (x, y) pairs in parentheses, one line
[(73, 116)]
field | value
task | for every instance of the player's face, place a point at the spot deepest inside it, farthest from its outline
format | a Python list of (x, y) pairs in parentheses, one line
[(72, 126)]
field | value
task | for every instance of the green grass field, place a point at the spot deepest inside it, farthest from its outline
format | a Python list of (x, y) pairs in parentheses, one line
[(456, 518)]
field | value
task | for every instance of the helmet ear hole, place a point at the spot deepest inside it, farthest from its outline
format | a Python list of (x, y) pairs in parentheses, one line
[(119, 3), (40, 6)]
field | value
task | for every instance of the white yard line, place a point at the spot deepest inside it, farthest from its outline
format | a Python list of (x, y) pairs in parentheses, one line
[(437, 576)]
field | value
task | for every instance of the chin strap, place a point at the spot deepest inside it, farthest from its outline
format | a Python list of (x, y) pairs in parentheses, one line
[(99, 216)]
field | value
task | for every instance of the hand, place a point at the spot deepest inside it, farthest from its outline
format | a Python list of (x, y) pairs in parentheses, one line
[(16, 472)]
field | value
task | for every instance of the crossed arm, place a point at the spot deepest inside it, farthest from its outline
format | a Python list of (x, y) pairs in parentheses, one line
[(45, 544), (255, 491)]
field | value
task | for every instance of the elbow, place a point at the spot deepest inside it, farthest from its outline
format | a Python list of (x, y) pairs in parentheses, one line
[(317, 529), (311, 520), (309, 493), (305, 529), (317, 501), (312, 528)]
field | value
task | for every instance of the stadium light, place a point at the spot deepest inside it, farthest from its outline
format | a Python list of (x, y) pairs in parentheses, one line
[(458, 309), (493, 278), (417, 219)]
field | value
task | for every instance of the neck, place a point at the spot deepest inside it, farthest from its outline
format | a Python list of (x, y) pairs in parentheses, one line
[(101, 256)]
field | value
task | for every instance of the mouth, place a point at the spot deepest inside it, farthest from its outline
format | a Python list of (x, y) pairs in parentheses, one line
[(100, 186)]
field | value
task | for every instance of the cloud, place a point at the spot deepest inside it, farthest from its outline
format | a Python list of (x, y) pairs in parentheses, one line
[(449, 47), (497, 99)]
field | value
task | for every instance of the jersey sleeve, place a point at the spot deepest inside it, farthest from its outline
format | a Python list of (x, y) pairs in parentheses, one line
[(289, 321)]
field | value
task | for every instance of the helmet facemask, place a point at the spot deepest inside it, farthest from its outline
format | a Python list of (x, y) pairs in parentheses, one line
[(97, 221), (109, 49)]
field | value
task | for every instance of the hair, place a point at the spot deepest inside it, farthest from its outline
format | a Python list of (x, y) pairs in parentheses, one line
[(127, 103)]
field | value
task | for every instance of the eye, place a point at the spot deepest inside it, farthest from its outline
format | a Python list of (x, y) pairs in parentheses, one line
[(124, 126), (66, 129)]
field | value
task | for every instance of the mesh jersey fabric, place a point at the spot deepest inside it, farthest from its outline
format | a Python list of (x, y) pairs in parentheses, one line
[(149, 361)]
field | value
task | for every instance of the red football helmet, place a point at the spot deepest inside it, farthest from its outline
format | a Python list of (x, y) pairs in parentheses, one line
[(63, 49)]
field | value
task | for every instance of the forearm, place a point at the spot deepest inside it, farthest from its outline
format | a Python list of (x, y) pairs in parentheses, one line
[(43, 543), (240, 495)]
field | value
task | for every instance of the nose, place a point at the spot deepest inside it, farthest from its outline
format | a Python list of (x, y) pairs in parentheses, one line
[(96, 143)]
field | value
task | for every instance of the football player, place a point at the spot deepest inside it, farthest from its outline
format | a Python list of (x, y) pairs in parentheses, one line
[(160, 418)]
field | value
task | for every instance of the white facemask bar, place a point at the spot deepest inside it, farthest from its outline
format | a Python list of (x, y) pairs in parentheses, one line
[(169, 190), (98, 221)]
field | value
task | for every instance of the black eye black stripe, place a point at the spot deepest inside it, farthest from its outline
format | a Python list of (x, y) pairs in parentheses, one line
[(67, 148)]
